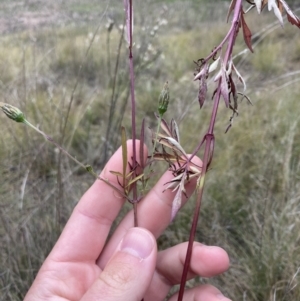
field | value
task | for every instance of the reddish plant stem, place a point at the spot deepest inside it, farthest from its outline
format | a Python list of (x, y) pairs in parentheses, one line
[(221, 44), (133, 112), (209, 137), (209, 140)]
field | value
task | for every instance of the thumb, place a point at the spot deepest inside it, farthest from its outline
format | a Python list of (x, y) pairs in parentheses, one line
[(129, 272)]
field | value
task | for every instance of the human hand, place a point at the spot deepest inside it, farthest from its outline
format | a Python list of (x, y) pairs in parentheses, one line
[(83, 266)]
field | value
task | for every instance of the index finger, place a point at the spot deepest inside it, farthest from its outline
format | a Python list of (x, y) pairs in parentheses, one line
[(86, 231), (154, 211)]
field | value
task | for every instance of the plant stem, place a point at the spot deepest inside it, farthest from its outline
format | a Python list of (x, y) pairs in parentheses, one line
[(88, 168), (155, 138), (113, 99), (55, 143), (209, 141), (133, 112)]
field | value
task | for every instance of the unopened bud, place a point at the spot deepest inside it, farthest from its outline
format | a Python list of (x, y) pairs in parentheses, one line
[(12, 112), (163, 100), (88, 168)]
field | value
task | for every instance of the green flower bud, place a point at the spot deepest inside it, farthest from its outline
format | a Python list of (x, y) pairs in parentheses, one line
[(88, 168), (12, 112), (163, 100)]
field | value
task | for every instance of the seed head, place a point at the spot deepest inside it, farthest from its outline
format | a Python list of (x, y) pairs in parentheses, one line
[(163, 100), (12, 112)]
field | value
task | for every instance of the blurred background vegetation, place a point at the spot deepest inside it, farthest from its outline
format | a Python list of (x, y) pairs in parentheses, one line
[(64, 63)]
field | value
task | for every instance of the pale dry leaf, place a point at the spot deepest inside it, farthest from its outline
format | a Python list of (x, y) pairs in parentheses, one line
[(264, 3), (258, 4), (164, 126), (195, 170), (214, 65), (240, 77), (174, 183), (224, 87), (168, 157), (230, 9), (280, 7), (199, 74), (273, 4), (176, 204), (229, 69), (218, 75), (175, 130), (176, 145), (203, 86), (202, 91)]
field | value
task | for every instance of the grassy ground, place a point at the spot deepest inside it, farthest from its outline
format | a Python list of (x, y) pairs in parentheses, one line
[(251, 204)]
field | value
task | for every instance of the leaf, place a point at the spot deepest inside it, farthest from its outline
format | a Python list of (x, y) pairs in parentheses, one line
[(218, 75), (114, 188), (164, 141), (240, 77), (292, 18), (202, 91), (280, 6), (175, 145), (116, 173), (159, 135), (264, 3), (164, 126), (202, 83), (214, 65), (245, 96), (135, 179), (195, 170), (168, 157), (129, 174), (211, 153), (224, 87), (258, 4), (233, 93), (199, 74), (174, 183), (230, 9), (176, 204), (175, 130), (246, 33), (273, 4), (294, 21)]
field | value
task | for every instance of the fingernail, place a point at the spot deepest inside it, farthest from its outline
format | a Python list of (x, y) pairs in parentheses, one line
[(138, 243)]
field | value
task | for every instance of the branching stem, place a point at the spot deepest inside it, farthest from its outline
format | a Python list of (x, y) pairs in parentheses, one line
[(209, 141)]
